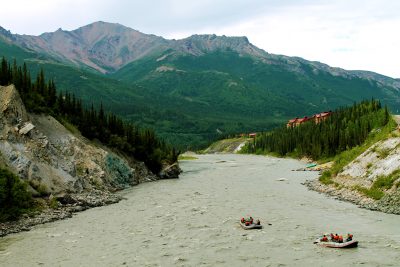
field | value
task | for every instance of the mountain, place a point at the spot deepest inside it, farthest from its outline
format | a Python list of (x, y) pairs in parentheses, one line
[(101, 46), (192, 89)]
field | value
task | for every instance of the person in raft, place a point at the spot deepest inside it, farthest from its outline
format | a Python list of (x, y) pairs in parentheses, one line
[(250, 220), (339, 238), (349, 237)]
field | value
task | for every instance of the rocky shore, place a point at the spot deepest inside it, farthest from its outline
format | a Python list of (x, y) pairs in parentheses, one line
[(68, 204), (390, 203)]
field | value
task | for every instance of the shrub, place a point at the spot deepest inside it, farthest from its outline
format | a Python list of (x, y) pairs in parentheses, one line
[(14, 197), (325, 178), (383, 153), (53, 203), (372, 192), (386, 182)]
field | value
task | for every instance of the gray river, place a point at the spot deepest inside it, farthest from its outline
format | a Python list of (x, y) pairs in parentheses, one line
[(193, 221)]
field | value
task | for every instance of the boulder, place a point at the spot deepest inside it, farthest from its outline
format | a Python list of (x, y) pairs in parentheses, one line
[(170, 171)]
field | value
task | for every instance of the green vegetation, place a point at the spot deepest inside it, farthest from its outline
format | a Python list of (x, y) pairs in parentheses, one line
[(372, 192), (205, 95), (326, 177), (344, 129), (14, 198), (234, 93), (345, 157), (41, 97), (383, 153), (376, 191), (228, 145), (184, 157), (386, 182), (345, 135)]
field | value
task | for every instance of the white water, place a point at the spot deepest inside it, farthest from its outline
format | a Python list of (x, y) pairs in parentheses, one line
[(193, 221)]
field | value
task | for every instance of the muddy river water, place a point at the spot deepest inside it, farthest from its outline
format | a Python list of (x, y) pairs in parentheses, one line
[(193, 221)]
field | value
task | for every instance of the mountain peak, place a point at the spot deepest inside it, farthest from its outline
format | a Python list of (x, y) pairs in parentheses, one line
[(103, 46), (6, 33), (107, 46), (203, 43), (106, 27)]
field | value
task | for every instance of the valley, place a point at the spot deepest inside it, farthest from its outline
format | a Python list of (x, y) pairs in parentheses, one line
[(199, 133), (191, 91)]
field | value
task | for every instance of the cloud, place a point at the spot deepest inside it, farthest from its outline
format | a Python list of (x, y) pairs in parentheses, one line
[(351, 34), (342, 35)]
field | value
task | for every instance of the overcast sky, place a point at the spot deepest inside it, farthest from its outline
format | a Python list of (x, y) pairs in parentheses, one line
[(352, 34)]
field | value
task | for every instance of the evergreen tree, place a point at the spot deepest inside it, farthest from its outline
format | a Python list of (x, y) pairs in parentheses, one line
[(42, 97), (344, 129)]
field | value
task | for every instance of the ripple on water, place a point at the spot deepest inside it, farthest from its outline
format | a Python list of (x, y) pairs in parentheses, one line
[(193, 222)]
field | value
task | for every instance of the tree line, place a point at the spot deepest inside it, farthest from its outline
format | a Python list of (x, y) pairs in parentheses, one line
[(347, 127), (41, 96)]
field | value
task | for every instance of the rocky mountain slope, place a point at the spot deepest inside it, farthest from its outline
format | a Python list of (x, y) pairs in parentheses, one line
[(101, 46), (191, 89), (107, 47), (53, 160)]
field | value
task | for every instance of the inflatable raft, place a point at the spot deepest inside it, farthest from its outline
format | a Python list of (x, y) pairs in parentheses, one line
[(329, 244), (250, 226)]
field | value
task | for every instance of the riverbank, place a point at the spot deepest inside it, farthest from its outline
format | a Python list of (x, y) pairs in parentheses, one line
[(68, 204), (387, 204)]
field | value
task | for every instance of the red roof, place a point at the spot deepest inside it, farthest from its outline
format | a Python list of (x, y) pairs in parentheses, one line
[(303, 119)]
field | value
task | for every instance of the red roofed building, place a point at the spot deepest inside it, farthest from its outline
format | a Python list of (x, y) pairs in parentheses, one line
[(291, 123), (302, 120), (322, 116), (317, 118), (297, 121)]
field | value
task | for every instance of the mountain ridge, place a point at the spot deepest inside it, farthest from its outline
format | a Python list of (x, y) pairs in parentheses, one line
[(145, 45), (190, 90)]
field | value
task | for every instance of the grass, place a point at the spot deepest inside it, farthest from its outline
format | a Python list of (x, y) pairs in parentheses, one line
[(383, 153), (326, 178), (53, 203), (227, 145), (183, 157), (344, 158), (386, 182), (380, 184), (373, 193)]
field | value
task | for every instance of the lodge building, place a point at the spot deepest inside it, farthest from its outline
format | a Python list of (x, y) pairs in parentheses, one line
[(317, 118)]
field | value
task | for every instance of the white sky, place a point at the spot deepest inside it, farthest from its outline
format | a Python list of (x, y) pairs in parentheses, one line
[(352, 34)]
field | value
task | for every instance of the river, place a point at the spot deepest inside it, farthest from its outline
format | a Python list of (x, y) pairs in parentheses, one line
[(193, 221)]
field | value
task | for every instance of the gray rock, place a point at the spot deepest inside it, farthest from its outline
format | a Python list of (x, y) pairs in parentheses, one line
[(170, 171)]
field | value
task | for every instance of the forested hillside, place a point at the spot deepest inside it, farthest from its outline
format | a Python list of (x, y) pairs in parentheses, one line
[(344, 129), (41, 96), (193, 90)]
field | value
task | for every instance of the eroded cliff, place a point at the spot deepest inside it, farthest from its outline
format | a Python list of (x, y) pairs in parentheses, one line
[(61, 167)]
